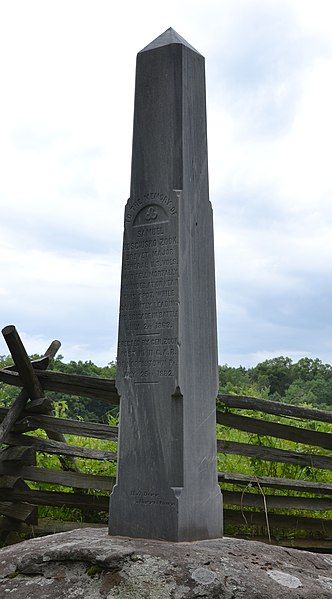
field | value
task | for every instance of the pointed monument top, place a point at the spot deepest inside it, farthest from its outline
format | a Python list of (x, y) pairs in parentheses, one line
[(170, 36)]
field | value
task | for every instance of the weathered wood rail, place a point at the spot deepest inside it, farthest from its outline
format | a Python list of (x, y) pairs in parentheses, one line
[(71, 384), (245, 500)]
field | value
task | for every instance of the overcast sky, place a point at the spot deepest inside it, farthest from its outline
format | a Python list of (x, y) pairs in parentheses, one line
[(66, 106)]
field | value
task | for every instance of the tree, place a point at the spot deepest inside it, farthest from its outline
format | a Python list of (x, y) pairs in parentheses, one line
[(308, 369), (277, 374)]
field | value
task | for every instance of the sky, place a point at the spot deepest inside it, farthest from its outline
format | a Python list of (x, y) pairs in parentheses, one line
[(67, 75)]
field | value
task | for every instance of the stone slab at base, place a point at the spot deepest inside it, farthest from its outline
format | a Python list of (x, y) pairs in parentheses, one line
[(88, 563)]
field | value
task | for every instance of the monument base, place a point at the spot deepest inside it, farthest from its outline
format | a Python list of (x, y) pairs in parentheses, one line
[(174, 516)]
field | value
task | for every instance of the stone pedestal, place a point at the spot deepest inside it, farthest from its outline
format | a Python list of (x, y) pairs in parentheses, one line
[(167, 349)]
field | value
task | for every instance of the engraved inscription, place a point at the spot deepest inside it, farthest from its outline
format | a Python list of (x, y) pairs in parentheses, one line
[(149, 498), (135, 204), (149, 298)]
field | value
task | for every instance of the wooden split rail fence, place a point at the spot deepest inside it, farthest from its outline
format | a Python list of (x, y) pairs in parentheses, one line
[(267, 510), (89, 492)]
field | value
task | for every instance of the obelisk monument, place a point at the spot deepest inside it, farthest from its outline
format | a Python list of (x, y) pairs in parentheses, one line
[(167, 373)]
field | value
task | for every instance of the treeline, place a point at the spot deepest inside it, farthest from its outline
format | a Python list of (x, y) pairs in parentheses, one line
[(307, 382)]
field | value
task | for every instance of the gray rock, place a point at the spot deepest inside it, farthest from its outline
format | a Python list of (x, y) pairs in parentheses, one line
[(167, 373), (90, 564)]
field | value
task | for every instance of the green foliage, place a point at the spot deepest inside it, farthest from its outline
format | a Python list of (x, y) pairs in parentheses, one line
[(308, 369), (60, 408), (307, 382), (83, 408), (237, 381), (7, 392), (276, 374), (69, 406)]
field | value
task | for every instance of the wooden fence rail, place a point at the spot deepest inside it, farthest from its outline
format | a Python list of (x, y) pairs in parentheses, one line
[(274, 407), (71, 427), (71, 384), (244, 497), (272, 454), (273, 429), (59, 448), (289, 484)]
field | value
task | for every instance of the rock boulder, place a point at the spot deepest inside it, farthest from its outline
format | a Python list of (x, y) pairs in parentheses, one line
[(88, 563)]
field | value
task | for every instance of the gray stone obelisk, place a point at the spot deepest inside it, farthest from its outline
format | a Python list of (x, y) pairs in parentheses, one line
[(167, 349)]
